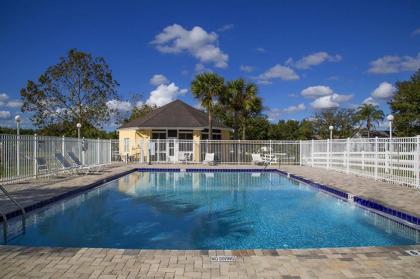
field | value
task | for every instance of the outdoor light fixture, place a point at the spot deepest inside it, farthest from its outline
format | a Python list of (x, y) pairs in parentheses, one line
[(18, 120), (78, 125), (390, 118), (331, 128)]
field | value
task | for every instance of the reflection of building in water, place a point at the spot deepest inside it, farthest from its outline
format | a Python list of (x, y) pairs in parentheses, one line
[(129, 183)]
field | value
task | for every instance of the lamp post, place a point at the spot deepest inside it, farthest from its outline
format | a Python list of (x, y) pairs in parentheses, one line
[(390, 118), (331, 128), (78, 126), (18, 120)]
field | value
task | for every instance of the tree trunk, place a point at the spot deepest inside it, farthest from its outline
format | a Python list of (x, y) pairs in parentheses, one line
[(210, 125), (235, 126), (368, 127), (243, 131)]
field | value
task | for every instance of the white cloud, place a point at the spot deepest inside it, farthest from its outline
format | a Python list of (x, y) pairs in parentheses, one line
[(394, 64), (275, 113), (261, 49), (313, 59), (122, 106), (416, 32), (4, 114), (164, 94), (277, 72), (200, 68), (226, 27), (385, 90), (316, 91), (197, 41), (14, 104), (331, 101), (3, 97), (158, 79), (246, 68), (370, 101)]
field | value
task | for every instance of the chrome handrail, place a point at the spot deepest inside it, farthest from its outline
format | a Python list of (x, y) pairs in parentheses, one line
[(18, 205)]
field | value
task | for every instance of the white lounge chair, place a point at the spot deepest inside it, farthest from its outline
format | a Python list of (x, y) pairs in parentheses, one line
[(209, 159), (257, 160)]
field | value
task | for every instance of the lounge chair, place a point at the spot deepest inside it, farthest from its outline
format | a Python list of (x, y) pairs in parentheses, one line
[(257, 160), (86, 168), (209, 159), (66, 165), (41, 166)]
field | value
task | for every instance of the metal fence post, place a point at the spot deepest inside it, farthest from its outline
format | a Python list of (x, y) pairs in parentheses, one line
[(97, 151), (110, 151), (417, 161), (63, 148), (328, 153), (312, 153), (348, 155), (35, 147), (83, 152), (300, 153), (376, 158), (18, 155)]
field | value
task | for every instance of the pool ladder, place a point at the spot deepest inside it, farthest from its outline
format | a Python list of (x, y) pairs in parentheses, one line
[(5, 224)]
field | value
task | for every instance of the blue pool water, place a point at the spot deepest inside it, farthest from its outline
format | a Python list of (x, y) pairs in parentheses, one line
[(221, 210)]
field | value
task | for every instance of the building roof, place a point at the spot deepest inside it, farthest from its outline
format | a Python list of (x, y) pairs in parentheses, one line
[(176, 114)]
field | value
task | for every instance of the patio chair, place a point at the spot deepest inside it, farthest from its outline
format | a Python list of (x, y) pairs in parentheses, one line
[(41, 165), (209, 159), (86, 168), (186, 158), (65, 165), (257, 160)]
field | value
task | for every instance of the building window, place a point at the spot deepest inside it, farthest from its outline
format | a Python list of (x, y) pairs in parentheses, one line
[(217, 134), (159, 134), (126, 145), (172, 133), (185, 135)]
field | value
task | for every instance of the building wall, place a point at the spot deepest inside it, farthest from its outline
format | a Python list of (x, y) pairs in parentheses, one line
[(225, 135), (136, 136)]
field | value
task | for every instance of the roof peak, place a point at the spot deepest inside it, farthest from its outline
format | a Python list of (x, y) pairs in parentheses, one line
[(174, 114)]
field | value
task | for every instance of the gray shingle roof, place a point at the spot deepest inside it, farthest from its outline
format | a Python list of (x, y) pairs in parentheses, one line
[(176, 114)]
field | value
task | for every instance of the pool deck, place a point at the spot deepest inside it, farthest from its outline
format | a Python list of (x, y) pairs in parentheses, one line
[(370, 262)]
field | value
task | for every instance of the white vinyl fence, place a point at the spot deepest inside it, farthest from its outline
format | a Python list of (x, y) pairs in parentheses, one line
[(225, 151), (19, 154), (396, 160)]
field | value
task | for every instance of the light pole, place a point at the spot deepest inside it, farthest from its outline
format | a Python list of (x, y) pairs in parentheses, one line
[(331, 128), (78, 126), (390, 118), (18, 120)]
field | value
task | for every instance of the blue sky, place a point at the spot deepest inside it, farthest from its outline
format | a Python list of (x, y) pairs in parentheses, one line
[(304, 55)]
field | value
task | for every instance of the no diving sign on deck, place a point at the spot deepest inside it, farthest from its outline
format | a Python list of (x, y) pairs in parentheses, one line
[(223, 258)]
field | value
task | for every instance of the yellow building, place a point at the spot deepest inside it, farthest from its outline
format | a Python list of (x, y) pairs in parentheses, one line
[(170, 133)]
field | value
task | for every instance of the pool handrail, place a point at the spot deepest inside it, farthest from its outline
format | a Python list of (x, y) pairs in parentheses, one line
[(22, 210)]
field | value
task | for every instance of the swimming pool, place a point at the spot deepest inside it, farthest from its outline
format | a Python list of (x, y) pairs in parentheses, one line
[(208, 210)]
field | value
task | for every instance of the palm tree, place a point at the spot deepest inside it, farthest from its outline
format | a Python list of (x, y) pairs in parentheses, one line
[(241, 99), (371, 114), (207, 87)]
